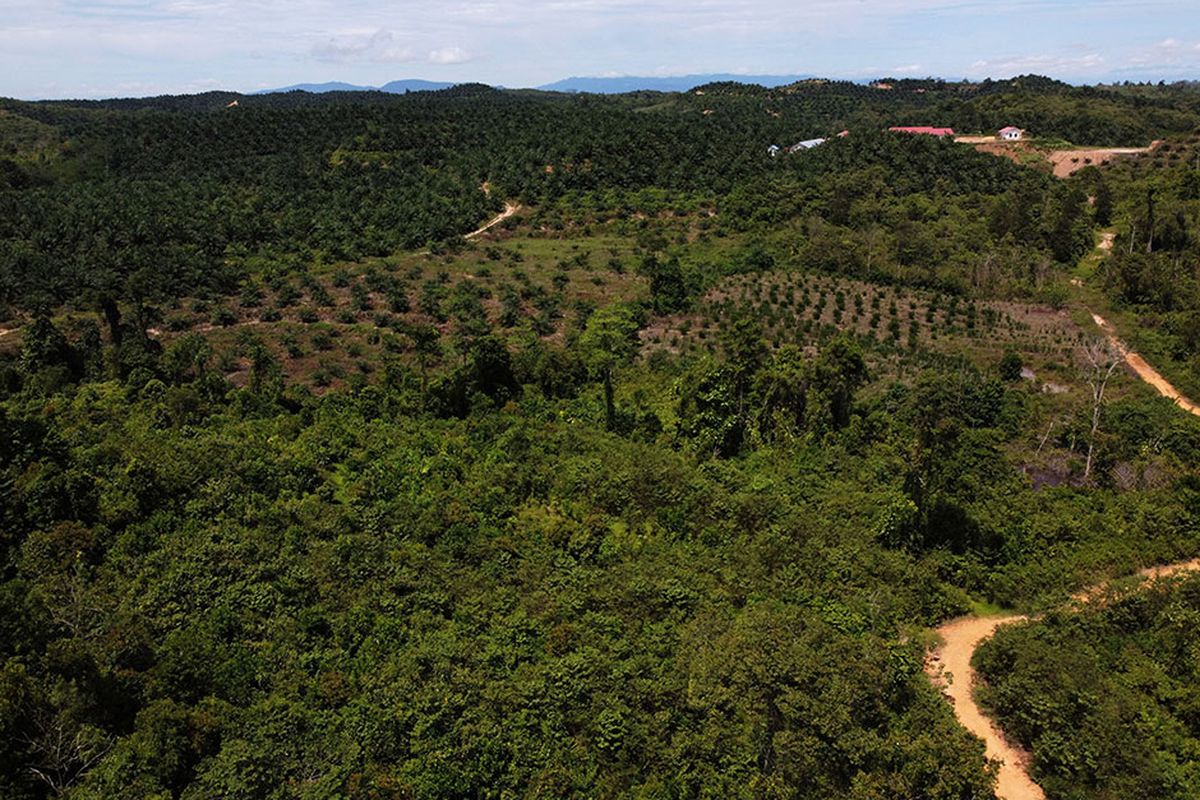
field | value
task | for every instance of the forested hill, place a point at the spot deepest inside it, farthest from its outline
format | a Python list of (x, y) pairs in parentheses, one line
[(351, 174), (496, 444)]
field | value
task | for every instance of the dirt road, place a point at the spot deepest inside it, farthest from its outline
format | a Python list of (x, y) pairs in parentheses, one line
[(960, 638), (509, 210), (949, 668), (1136, 363), (208, 327), (1143, 370)]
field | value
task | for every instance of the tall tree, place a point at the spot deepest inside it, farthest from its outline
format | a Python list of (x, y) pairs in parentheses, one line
[(837, 374), (609, 339)]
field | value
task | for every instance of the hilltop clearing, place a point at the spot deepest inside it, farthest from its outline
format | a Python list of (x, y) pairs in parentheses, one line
[(1062, 162)]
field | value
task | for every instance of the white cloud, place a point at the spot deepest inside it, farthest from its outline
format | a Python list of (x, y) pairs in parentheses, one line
[(526, 42), (379, 47), (1168, 55), (450, 55), (1007, 66)]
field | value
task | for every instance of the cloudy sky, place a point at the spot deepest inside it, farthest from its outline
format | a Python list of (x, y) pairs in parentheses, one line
[(92, 48)]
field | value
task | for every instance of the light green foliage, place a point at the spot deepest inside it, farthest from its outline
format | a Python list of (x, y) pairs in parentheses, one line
[(608, 340)]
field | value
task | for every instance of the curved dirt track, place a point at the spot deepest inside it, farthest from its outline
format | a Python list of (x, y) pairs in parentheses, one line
[(949, 668), (509, 210), (960, 637), (1136, 363), (1143, 370)]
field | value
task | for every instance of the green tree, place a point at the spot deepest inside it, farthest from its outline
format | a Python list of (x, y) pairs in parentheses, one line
[(609, 340), (781, 389), (427, 345), (1010, 366), (837, 374), (44, 346), (745, 348), (668, 290)]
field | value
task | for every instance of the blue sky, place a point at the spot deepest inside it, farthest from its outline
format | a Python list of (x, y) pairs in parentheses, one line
[(101, 48)]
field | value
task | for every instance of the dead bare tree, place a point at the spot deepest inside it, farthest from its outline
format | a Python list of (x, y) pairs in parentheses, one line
[(1042, 443), (1102, 359), (63, 749)]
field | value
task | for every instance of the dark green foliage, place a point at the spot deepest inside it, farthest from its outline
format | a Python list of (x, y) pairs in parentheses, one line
[(519, 560), (182, 185), (1010, 366), (668, 292), (1105, 699), (723, 406), (1151, 269), (345, 598)]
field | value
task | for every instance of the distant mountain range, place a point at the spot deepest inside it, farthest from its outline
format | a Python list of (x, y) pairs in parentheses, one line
[(679, 83), (614, 85), (395, 87)]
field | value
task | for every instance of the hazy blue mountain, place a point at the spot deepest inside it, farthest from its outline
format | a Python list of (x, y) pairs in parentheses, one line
[(414, 85), (395, 87), (319, 88), (679, 83), (617, 85)]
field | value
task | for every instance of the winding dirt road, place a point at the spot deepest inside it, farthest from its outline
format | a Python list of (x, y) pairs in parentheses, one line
[(1136, 363), (509, 210), (1142, 369), (949, 668)]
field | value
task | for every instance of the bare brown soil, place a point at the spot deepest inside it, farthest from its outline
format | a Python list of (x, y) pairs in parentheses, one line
[(1010, 150), (1063, 163), (1068, 162)]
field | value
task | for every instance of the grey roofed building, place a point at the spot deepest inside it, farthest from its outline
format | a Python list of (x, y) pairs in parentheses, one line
[(808, 144)]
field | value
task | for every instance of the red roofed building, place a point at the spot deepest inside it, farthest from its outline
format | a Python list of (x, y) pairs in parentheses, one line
[(923, 131)]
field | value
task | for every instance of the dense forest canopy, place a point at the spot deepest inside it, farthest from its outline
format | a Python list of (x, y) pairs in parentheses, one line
[(311, 487), (1105, 699)]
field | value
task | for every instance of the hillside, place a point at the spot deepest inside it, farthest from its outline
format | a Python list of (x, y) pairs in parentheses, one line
[(682, 83), (492, 443)]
